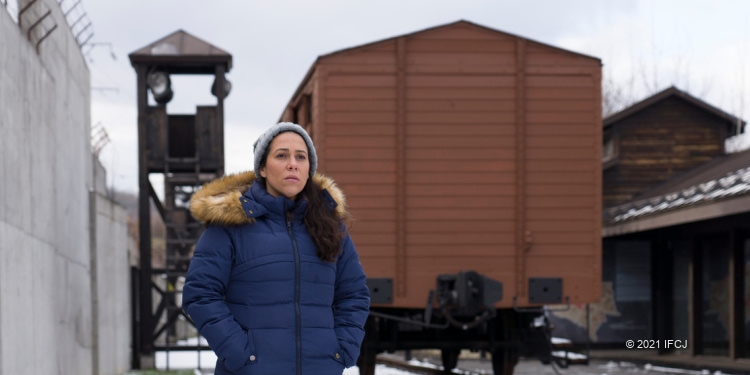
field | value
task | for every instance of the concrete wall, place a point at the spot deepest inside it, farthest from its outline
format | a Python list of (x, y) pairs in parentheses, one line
[(48, 318), (111, 286)]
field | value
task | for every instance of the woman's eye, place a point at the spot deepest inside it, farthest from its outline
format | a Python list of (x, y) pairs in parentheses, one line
[(301, 157)]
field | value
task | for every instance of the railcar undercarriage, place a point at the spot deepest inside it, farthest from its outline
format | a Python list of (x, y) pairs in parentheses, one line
[(461, 315)]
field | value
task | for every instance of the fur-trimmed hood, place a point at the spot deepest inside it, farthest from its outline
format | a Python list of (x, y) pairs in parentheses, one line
[(218, 202)]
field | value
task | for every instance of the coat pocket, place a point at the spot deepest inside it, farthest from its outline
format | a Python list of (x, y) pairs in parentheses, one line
[(326, 346), (250, 357)]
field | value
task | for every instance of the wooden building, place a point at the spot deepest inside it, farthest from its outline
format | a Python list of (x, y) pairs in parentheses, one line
[(694, 233), (463, 147), (676, 235), (657, 139)]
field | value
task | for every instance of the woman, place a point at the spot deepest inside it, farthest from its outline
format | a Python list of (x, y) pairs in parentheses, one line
[(275, 284)]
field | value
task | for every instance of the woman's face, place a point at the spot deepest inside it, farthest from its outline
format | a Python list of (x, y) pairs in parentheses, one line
[(287, 166)]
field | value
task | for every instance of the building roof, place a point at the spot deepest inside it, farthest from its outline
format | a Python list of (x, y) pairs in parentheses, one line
[(181, 49), (665, 94), (718, 188), (452, 24)]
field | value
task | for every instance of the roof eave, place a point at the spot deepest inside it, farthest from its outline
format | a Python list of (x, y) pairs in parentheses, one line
[(710, 210), (183, 61)]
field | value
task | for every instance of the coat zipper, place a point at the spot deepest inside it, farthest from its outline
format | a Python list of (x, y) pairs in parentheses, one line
[(298, 333)]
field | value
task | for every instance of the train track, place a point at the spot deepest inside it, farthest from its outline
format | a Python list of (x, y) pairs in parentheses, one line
[(419, 367)]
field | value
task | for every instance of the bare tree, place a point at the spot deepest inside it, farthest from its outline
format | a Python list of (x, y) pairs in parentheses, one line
[(645, 78), (615, 96)]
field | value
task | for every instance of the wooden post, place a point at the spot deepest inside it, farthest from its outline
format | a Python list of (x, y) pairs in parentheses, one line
[(695, 285), (220, 70), (736, 293), (662, 291), (146, 318)]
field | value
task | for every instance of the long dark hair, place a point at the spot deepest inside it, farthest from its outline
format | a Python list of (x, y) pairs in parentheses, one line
[(323, 224)]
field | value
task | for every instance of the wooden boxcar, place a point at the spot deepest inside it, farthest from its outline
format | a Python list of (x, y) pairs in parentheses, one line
[(471, 162)]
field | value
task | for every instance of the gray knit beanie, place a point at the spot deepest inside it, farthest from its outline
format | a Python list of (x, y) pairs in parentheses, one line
[(261, 145)]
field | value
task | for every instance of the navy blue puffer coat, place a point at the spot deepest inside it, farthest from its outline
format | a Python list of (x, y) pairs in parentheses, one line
[(258, 292)]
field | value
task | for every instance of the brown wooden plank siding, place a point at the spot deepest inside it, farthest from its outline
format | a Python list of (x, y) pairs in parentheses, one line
[(658, 143), (558, 136), (449, 199)]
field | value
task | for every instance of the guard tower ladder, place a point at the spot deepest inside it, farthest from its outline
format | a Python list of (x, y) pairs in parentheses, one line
[(182, 178)]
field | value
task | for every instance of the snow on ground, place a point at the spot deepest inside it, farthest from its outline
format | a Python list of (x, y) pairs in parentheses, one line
[(207, 359), (185, 360)]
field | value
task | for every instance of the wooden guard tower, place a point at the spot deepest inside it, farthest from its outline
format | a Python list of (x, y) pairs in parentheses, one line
[(187, 150)]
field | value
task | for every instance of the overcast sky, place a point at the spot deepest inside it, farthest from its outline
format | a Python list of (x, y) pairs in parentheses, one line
[(700, 46)]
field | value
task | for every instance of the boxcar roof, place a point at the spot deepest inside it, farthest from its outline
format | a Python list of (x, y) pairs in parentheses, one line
[(334, 54), (453, 24), (663, 95)]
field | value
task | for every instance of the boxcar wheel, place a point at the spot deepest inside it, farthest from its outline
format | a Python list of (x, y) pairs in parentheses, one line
[(504, 361), (450, 358), (366, 360)]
